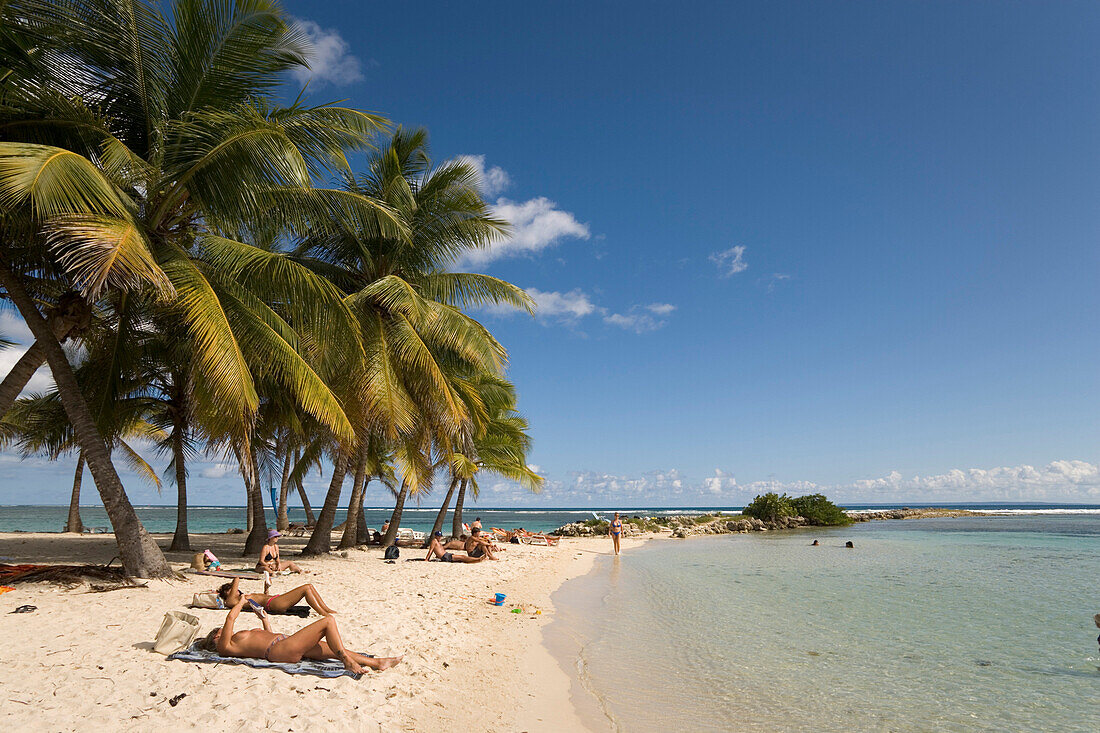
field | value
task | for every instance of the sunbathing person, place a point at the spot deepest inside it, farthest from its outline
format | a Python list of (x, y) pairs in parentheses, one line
[(269, 556), (320, 640), (478, 546), (437, 550), (278, 603)]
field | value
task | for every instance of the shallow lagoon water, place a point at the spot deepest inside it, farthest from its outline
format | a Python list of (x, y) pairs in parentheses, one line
[(940, 624)]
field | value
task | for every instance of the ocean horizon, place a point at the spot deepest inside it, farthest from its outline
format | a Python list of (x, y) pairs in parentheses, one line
[(207, 519)]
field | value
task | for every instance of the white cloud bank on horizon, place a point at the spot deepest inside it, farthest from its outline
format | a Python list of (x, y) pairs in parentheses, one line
[(330, 59), (1066, 481)]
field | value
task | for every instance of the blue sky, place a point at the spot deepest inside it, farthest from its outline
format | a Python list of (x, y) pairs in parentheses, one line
[(848, 247)]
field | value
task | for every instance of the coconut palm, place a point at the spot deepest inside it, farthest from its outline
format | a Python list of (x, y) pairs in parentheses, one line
[(141, 146), (408, 304)]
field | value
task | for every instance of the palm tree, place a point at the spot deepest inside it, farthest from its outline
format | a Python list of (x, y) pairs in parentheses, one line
[(141, 158), (408, 304)]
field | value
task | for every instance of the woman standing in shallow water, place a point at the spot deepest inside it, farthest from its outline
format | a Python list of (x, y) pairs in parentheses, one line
[(615, 529)]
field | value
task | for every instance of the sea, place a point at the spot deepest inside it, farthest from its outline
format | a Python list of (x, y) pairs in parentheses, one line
[(960, 624)]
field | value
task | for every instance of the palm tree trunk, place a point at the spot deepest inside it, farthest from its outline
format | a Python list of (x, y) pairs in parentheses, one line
[(19, 375), (258, 535), (456, 523), (73, 524), (139, 553), (70, 313), (321, 539), (395, 518), (442, 516), (248, 507), (181, 541), (282, 521), (351, 524), (311, 519)]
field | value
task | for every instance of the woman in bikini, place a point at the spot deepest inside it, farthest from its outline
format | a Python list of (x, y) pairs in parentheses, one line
[(269, 556), (320, 640), (615, 529), (278, 603)]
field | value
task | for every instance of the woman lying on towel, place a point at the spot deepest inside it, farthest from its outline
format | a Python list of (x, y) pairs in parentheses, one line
[(279, 603), (320, 640)]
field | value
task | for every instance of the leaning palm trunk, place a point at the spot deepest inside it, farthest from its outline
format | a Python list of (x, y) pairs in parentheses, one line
[(351, 524), (258, 535), (70, 314), (181, 541), (442, 516), (321, 539), (456, 523), (311, 519), (395, 518), (139, 553), (282, 521), (73, 524)]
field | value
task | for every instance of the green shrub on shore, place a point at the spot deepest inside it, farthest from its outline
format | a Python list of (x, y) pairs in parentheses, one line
[(769, 507), (818, 510), (814, 508), (600, 524)]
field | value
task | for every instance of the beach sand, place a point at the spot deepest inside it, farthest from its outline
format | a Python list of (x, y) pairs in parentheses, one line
[(84, 661)]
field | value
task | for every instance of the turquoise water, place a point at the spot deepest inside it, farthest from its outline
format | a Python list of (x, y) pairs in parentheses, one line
[(953, 624)]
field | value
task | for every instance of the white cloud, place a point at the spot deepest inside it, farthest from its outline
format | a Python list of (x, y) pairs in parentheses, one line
[(562, 306), (537, 223), (570, 307), (330, 61), (13, 328), (1068, 481), (494, 179), (218, 470), (730, 261), (41, 381)]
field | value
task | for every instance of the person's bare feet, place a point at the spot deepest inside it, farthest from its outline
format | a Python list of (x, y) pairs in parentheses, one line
[(350, 664), (389, 662)]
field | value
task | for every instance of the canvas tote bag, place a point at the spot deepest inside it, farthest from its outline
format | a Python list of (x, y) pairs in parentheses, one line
[(207, 599), (177, 631)]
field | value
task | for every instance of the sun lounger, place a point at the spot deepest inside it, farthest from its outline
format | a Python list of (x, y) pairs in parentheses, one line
[(329, 668)]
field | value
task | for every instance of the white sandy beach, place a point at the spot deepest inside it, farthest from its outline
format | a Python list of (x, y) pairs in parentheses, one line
[(84, 661)]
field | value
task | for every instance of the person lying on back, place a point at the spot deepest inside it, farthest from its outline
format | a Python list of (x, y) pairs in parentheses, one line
[(278, 603), (320, 640)]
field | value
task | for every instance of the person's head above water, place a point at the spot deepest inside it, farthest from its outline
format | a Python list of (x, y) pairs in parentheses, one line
[(815, 543), (849, 544), (1096, 620)]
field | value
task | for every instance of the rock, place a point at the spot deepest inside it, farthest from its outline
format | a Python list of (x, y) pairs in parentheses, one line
[(234, 530)]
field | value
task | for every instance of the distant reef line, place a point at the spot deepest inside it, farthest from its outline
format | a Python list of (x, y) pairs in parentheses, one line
[(685, 525)]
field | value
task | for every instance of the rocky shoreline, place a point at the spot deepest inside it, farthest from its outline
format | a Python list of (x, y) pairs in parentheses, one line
[(684, 525)]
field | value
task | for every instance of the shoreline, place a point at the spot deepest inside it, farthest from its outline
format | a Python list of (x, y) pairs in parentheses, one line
[(84, 658)]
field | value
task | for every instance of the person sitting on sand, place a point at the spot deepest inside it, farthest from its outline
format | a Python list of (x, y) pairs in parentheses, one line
[(478, 546), (269, 556), (320, 640), (437, 550), (278, 603)]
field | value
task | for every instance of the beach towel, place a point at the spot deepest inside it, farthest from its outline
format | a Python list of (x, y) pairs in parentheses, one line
[(245, 574), (300, 611), (329, 668)]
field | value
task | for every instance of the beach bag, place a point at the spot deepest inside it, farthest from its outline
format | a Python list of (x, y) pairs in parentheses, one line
[(207, 599), (392, 553), (177, 631)]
